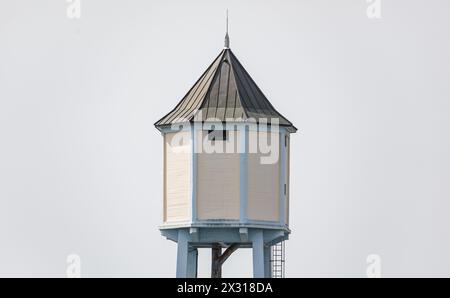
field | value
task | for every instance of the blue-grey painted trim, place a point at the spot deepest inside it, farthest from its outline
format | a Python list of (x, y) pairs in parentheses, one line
[(282, 178), (194, 173), (186, 127), (193, 234), (228, 221), (243, 233), (224, 223), (208, 235), (243, 172)]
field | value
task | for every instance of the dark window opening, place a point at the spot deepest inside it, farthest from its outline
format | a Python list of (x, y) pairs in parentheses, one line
[(217, 135)]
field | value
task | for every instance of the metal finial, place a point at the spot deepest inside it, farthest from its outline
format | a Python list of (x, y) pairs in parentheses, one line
[(227, 21), (227, 38)]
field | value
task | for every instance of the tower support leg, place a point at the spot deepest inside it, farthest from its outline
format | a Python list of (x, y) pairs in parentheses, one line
[(261, 256), (186, 257), (218, 258), (267, 264), (192, 262), (216, 265)]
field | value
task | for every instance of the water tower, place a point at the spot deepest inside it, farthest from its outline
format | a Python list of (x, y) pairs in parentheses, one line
[(220, 190)]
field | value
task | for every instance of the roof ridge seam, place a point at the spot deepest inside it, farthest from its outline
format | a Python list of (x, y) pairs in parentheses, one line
[(232, 71)]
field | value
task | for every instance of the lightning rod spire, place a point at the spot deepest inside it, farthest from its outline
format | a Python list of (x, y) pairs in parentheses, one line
[(227, 38)]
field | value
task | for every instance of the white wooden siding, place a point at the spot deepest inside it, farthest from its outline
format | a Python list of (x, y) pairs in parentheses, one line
[(177, 177)]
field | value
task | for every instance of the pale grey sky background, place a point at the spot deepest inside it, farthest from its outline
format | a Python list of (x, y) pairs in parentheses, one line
[(80, 160)]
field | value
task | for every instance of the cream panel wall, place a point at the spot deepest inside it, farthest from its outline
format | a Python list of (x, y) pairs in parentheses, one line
[(177, 176), (218, 194), (263, 186)]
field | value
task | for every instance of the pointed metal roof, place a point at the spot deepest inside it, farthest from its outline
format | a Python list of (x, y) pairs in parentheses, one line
[(224, 91)]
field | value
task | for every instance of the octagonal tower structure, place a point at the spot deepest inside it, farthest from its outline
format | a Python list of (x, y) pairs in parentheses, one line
[(226, 170)]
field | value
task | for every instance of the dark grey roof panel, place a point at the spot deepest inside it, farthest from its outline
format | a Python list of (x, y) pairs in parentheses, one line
[(194, 98), (224, 91)]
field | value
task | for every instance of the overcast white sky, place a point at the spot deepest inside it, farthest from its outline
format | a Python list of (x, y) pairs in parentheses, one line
[(80, 160)]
